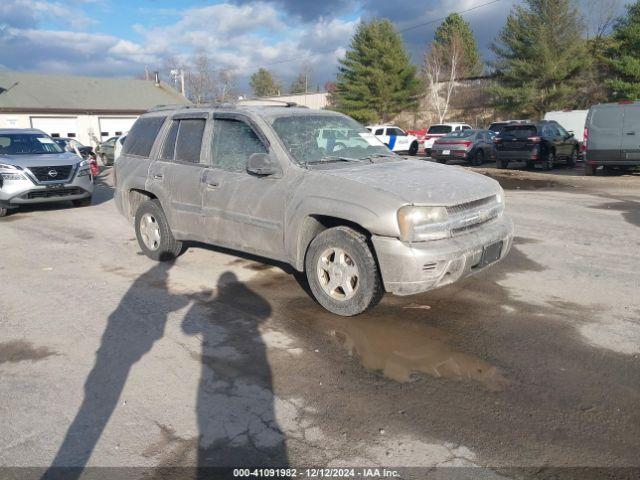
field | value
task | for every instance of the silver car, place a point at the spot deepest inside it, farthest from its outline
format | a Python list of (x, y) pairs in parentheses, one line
[(357, 218), (35, 169)]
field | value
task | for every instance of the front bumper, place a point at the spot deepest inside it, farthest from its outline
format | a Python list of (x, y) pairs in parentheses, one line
[(14, 193), (413, 268)]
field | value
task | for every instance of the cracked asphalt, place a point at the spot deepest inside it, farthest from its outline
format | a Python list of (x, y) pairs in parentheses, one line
[(109, 359)]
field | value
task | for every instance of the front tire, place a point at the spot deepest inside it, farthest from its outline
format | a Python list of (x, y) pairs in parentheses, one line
[(413, 150), (82, 202), (589, 170), (342, 273), (153, 233)]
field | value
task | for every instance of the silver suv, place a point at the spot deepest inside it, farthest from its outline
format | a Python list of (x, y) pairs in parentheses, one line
[(35, 169), (358, 219)]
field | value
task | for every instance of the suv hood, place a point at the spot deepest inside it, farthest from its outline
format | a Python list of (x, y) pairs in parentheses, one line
[(420, 182), (42, 160)]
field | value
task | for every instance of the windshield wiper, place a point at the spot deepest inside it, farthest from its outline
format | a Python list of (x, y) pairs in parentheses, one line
[(332, 159)]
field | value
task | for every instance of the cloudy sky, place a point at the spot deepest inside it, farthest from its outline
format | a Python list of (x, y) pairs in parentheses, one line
[(121, 37)]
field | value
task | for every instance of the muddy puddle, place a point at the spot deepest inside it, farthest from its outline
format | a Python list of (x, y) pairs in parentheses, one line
[(403, 349), (524, 183), (15, 351)]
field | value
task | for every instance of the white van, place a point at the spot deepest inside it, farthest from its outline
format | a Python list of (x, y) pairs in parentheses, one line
[(571, 120)]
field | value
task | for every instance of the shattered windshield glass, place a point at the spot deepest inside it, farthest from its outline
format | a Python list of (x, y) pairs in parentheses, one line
[(327, 138)]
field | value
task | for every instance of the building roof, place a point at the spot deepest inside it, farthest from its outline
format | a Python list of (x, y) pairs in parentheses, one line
[(33, 92)]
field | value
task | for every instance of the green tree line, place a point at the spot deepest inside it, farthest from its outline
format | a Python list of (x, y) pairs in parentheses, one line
[(542, 60)]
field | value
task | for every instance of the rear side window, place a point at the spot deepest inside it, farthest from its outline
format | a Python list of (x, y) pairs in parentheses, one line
[(234, 142), (169, 146), (520, 131), (189, 140), (142, 136), (439, 129), (380, 131)]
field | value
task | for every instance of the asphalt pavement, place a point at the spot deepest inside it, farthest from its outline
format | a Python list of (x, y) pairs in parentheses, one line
[(109, 359)]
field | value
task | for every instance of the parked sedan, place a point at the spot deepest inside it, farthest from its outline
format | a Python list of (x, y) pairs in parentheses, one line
[(474, 146), (542, 143), (106, 150)]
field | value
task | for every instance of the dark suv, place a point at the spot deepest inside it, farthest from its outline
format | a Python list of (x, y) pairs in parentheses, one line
[(544, 143)]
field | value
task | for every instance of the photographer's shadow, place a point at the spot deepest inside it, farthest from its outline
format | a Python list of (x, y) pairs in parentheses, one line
[(235, 401), (235, 404)]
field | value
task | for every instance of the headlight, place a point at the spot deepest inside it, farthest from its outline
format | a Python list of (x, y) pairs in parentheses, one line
[(422, 223), (500, 196), (11, 176), (5, 166), (83, 168)]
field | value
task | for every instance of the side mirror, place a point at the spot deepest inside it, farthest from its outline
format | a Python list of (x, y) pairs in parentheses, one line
[(263, 165), (570, 133)]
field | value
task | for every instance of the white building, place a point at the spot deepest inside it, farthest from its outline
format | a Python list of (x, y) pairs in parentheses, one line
[(316, 101), (89, 109)]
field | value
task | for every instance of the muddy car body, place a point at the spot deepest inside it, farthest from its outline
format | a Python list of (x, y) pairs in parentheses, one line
[(359, 221)]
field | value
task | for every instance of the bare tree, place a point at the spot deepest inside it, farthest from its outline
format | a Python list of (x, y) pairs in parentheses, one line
[(441, 69), (227, 87), (601, 15), (200, 80)]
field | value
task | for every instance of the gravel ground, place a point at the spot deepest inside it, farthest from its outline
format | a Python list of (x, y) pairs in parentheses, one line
[(109, 359)]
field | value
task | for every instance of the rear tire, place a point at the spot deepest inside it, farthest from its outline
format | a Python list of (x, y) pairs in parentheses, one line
[(549, 160), (342, 272), (531, 165), (154, 235), (441, 160), (571, 161), (82, 202), (413, 150), (427, 152), (589, 170), (478, 158)]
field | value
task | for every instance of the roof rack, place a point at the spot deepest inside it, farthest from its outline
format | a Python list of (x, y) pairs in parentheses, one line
[(257, 102)]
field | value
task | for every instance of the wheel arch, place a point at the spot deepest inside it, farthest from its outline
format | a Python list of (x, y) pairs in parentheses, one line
[(314, 224), (137, 196)]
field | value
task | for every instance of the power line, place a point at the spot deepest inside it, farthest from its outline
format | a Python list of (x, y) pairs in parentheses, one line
[(462, 12), (442, 18)]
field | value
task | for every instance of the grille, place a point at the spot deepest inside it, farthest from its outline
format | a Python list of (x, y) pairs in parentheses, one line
[(465, 207), (43, 174), (58, 192)]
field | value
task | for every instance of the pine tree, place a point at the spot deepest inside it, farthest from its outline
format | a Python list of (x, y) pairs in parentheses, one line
[(455, 27), (263, 84), (625, 56), (540, 55), (376, 79)]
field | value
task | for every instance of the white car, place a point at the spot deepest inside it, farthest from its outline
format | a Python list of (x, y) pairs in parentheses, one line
[(117, 150), (440, 130), (395, 138)]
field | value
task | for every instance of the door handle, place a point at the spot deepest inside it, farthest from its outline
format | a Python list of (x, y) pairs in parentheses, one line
[(157, 176), (631, 133), (212, 184)]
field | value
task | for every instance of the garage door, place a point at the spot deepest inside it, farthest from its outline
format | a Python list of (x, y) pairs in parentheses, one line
[(115, 126), (57, 126)]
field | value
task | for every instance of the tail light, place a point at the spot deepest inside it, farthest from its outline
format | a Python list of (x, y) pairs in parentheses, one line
[(467, 144), (534, 139), (496, 139), (586, 138)]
